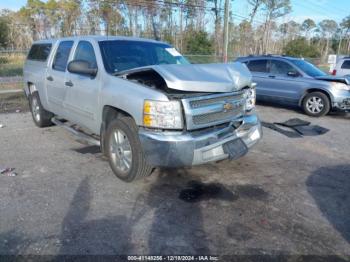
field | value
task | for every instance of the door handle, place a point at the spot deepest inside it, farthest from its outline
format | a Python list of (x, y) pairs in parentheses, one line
[(69, 83), (50, 78), (272, 76)]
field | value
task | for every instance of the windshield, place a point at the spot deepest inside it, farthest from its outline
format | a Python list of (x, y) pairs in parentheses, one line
[(120, 55), (308, 68)]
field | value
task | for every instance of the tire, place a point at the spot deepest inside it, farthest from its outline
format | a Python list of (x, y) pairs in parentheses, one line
[(124, 151), (316, 104), (41, 117)]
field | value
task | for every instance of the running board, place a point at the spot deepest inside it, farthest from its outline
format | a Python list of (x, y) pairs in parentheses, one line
[(79, 135)]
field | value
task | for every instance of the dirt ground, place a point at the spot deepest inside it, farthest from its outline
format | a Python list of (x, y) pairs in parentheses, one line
[(10, 103), (288, 196)]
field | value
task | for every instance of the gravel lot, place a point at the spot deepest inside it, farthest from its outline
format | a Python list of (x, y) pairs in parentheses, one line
[(287, 196)]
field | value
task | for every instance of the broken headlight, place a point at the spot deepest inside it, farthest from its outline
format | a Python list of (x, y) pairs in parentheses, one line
[(162, 114), (340, 86), (250, 98)]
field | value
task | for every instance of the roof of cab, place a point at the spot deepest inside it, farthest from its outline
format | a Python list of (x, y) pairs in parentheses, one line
[(98, 38)]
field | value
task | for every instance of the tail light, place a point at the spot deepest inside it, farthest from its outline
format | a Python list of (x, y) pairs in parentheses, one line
[(334, 72)]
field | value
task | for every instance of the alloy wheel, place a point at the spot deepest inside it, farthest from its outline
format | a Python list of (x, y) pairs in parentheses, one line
[(121, 153), (315, 104), (36, 109)]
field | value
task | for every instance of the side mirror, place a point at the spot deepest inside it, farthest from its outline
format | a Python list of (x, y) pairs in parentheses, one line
[(293, 74), (81, 67)]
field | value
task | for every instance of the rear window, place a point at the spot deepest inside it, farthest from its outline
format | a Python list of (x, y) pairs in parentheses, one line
[(258, 66), (39, 52), (346, 64)]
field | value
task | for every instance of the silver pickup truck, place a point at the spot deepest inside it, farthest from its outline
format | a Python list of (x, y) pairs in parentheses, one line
[(142, 102)]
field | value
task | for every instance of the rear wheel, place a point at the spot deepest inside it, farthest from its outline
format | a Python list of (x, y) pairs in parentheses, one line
[(316, 104), (41, 117), (124, 151)]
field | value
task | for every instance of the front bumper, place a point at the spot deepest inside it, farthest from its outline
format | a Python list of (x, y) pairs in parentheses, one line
[(341, 100), (178, 149)]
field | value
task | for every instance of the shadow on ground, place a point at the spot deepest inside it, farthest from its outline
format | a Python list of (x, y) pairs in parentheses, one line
[(88, 150), (81, 236), (173, 203), (177, 227), (330, 188)]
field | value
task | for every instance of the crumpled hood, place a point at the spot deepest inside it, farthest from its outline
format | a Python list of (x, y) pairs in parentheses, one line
[(201, 77), (205, 77), (330, 78)]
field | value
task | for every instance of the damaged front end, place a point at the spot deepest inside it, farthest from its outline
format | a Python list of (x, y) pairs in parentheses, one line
[(209, 115), (206, 78)]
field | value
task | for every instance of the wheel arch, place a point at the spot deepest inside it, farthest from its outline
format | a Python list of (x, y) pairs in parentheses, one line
[(311, 90), (30, 88), (108, 114)]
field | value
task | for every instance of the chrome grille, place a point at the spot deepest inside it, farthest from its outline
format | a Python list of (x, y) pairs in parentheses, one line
[(212, 117), (205, 102), (212, 110)]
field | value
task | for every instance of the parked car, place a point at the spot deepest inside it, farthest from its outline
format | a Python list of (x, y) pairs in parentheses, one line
[(342, 68), (290, 80), (142, 102)]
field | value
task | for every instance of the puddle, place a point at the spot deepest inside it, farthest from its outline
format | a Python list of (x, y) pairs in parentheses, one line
[(197, 191)]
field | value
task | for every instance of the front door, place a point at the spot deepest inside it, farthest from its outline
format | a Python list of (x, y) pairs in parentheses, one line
[(286, 82), (82, 90)]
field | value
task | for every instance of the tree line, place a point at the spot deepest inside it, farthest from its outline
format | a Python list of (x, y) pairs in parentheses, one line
[(192, 26)]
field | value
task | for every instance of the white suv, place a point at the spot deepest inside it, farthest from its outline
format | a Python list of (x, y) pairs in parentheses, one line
[(342, 67)]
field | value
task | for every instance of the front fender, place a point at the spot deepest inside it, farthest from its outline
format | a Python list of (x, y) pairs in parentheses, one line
[(127, 96), (318, 89)]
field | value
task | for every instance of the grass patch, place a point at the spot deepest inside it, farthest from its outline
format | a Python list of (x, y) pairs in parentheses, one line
[(11, 85), (11, 70), (11, 65), (12, 102)]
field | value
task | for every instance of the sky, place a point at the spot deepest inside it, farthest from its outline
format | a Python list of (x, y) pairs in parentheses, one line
[(302, 9)]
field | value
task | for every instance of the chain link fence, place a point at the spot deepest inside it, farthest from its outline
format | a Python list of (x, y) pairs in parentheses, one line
[(11, 66)]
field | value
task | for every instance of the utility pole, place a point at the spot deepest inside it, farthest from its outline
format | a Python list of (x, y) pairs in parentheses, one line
[(226, 19)]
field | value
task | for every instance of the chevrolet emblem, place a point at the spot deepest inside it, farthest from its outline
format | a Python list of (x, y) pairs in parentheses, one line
[(228, 106)]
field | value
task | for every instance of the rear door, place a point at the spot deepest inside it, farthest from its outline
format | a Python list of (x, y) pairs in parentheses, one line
[(259, 70), (82, 90), (56, 75)]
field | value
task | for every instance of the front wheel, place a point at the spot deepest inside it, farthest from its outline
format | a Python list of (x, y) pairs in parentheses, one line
[(124, 151), (316, 104)]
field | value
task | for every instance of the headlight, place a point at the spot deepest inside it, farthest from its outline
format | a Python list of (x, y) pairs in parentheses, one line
[(159, 114), (250, 98), (340, 86)]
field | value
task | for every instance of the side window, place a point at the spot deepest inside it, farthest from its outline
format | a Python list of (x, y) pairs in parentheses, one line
[(39, 52), (346, 64), (62, 55), (280, 68), (258, 66), (85, 52)]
